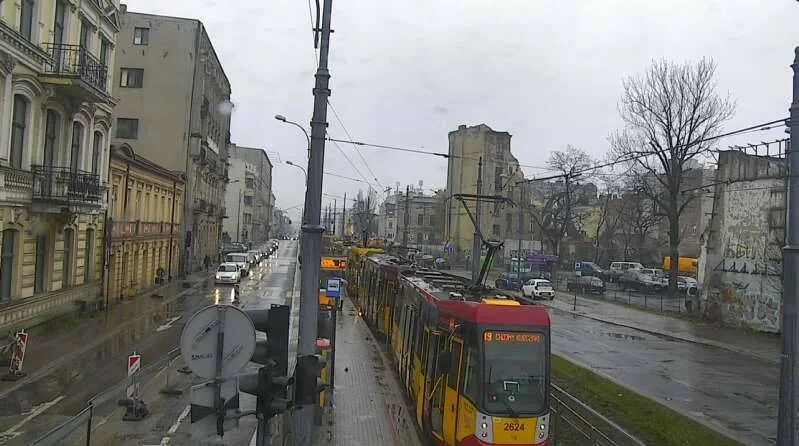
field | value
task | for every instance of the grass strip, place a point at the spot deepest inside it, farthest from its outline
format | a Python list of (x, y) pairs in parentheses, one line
[(651, 422)]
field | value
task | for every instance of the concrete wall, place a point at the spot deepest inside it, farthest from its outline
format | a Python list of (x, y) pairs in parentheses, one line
[(742, 260)]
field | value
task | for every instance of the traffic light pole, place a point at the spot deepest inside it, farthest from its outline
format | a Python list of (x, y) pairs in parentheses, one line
[(786, 415), (312, 230)]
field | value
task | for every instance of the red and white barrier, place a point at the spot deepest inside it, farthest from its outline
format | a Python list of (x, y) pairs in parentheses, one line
[(134, 365)]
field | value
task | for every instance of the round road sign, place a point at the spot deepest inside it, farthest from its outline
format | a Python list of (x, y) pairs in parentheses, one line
[(198, 341)]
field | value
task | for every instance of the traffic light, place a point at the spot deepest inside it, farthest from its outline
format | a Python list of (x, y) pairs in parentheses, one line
[(308, 381), (270, 384)]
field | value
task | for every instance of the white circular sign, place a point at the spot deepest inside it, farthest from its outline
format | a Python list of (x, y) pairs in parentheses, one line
[(199, 339)]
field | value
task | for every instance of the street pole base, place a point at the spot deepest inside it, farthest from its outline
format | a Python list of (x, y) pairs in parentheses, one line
[(171, 391), (14, 376), (185, 370), (136, 412)]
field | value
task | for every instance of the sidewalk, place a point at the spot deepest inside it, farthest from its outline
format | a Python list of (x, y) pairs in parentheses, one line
[(60, 340), (762, 346), (369, 406)]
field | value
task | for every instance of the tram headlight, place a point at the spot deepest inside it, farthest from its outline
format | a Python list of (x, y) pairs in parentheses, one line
[(484, 426)]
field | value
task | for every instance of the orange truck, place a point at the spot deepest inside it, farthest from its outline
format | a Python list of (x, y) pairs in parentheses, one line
[(686, 266)]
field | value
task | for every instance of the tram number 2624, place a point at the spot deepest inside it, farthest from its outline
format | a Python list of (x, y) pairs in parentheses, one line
[(514, 426)]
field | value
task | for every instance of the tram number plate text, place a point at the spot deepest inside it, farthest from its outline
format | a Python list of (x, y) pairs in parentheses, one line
[(514, 427)]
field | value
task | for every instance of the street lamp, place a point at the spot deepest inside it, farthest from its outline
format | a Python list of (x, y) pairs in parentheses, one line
[(299, 167), (282, 118)]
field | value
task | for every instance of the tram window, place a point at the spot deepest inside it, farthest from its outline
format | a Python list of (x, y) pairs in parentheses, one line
[(470, 378), (454, 368)]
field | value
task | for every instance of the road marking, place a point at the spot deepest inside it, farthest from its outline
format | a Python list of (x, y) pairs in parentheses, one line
[(168, 324), (13, 431), (180, 419)]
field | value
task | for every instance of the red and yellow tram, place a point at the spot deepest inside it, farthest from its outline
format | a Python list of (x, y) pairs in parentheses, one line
[(474, 364)]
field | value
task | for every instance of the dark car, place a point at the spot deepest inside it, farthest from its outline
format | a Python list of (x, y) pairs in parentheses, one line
[(513, 281), (440, 263), (586, 284)]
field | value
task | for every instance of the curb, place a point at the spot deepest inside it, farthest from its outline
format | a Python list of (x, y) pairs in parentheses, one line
[(692, 340)]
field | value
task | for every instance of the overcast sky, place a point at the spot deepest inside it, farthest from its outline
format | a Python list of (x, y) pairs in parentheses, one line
[(406, 73)]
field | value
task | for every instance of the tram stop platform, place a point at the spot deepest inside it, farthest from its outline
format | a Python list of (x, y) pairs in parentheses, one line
[(368, 405)]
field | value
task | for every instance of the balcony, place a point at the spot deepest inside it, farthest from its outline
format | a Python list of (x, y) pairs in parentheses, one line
[(16, 185), (77, 71), (123, 229), (65, 187), (200, 206)]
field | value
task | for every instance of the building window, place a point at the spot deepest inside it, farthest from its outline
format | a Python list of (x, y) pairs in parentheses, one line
[(97, 143), (88, 261), (141, 36), (247, 201), (420, 220), (104, 52), (498, 179), (391, 225), (84, 34), (419, 237), (127, 128), (77, 143), (7, 264), (52, 123), (58, 23), (131, 77), (249, 183), (69, 241), (19, 124), (495, 229), (508, 222), (26, 19), (40, 264), (432, 220)]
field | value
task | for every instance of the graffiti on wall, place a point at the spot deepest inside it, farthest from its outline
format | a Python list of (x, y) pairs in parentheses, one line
[(745, 285)]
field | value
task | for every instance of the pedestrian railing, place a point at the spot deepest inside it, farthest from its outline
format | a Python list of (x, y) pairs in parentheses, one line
[(77, 431), (574, 423), (647, 299)]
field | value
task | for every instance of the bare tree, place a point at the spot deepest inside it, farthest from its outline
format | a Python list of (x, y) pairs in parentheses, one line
[(610, 211), (556, 216), (670, 113)]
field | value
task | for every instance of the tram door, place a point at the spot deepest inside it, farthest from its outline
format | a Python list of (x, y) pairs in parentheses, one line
[(438, 374)]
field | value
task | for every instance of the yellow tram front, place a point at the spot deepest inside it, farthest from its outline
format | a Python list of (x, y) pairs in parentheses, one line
[(493, 376)]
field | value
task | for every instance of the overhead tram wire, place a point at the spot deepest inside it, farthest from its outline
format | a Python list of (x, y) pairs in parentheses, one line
[(621, 160), (366, 180), (347, 132)]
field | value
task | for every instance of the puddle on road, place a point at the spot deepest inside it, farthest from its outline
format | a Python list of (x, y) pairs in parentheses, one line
[(86, 366), (624, 336)]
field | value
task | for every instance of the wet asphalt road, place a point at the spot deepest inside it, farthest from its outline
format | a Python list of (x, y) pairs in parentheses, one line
[(33, 408), (734, 394)]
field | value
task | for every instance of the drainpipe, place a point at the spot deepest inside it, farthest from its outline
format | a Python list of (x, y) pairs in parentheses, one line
[(172, 229)]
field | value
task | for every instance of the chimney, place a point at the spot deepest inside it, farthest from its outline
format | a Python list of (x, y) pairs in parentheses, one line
[(461, 127)]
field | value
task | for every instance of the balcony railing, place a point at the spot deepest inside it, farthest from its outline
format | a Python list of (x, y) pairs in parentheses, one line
[(15, 179), (61, 184), (137, 228), (76, 62)]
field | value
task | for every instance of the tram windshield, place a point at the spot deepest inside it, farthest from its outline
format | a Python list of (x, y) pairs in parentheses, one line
[(514, 374)]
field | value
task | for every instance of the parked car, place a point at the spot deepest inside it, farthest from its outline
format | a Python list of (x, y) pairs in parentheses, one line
[(242, 260), (538, 288), (636, 280), (228, 273), (684, 283), (442, 264), (618, 268), (586, 284)]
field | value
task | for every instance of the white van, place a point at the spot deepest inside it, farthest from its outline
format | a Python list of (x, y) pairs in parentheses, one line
[(241, 259)]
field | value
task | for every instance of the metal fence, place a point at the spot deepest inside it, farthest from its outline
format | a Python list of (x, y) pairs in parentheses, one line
[(576, 424), (78, 429), (648, 300)]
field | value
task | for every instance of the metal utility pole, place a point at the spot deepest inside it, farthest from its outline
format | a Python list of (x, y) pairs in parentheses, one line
[(406, 219), (786, 417), (312, 231), (344, 215), (238, 219), (335, 210), (477, 242), (521, 185)]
